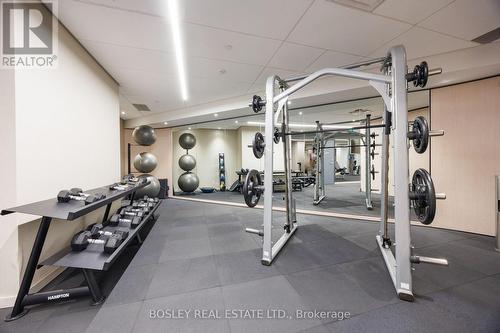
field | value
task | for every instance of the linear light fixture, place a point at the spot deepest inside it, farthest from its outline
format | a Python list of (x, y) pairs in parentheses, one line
[(173, 13)]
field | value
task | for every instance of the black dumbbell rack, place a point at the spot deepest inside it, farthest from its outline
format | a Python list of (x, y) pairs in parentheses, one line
[(89, 261)]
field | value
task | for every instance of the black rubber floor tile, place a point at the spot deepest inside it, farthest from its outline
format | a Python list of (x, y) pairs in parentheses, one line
[(242, 266), (133, 285), (72, 322), (234, 242), (186, 248), (151, 317), (181, 276), (273, 293), (330, 288), (115, 318)]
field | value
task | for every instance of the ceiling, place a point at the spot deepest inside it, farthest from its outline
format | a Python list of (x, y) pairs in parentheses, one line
[(231, 46)]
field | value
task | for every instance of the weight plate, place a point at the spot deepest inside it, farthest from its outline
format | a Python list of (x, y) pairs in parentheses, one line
[(251, 192), (421, 130), (277, 135), (258, 145), (424, 196), (256, 103)]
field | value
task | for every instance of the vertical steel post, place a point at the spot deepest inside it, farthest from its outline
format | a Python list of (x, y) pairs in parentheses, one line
[(401, 164), (268, 172), (384, 182), (368, 180), (287, 154)]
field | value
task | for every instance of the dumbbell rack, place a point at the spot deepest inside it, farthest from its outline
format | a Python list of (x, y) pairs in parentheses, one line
[(89, 261)]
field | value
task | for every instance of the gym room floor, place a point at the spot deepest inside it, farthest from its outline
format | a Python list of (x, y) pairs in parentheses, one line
[(352, 202), (197, 256)]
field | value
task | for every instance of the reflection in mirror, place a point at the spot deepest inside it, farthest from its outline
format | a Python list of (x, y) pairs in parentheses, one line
[(332, 168)]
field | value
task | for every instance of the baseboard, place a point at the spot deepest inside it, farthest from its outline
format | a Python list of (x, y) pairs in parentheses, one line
[(8, 301)]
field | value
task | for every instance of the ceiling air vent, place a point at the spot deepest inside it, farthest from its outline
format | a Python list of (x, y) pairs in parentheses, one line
[(366, 5), (141, 107), (488, 37)]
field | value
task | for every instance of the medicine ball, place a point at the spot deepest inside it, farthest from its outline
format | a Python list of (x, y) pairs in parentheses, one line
[(188, 182), (187, 141), (144, 135), (187, 162), (150, 190), (145, 162)]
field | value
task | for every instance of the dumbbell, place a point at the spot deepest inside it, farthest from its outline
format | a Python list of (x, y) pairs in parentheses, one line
[(142, 204), (133, 207), (66, 196), (82, 239), (129, 211), (97, 230), (118, 187), (148, 199), (117, 218), (78, 191)]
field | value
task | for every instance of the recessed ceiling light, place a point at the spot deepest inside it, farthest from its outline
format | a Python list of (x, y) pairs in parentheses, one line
[(165, 123), (216, 114), (123, 112), (173, 12), (236, 121), (228, 47), (222, 71), (300, 113), (189, 128), (289, 102), (218, 128)]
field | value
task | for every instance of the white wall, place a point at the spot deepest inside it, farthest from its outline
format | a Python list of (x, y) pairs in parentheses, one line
[(299, 155), (209, 143), (249, 161), (61, 131)]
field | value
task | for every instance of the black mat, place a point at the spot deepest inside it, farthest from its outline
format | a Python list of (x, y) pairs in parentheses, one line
[(198, 257)]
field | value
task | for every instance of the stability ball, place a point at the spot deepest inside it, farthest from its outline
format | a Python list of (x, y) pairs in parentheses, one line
[(188, 182), (187, 162), (145, 162), (152, 190), (187, 141), (144, 135)]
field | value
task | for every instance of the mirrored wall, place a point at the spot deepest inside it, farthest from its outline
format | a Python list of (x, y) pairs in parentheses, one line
[(223, 155)]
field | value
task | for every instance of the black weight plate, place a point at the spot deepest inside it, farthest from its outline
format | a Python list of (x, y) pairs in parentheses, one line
[(256, 103), (258, 145), (277, 135), (424, 203), (421, 140), (250, 191)]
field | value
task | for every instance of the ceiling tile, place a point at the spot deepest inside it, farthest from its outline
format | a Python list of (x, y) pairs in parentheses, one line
[(420, 42), (151, 7), (268, 71), (218, 70), (131, 57), (335, 27), (257, 17), (333, 59), (410, 10), (295, 57), (225, 45), (465, 18), (104, 24)]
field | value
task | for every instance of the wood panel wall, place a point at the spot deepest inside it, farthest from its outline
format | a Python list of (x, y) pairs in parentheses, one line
[(465, 160)]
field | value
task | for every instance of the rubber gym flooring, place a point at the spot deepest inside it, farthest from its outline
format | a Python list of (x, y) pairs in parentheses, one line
[(342, 197), (197, 256)]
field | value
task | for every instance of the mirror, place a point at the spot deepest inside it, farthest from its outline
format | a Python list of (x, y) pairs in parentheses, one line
[(223, 152)]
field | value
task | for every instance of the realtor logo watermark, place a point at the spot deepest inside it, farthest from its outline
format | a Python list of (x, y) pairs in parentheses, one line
[(29, 34)]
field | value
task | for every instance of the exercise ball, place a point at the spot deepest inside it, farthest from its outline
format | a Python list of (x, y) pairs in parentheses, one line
[(144, 135), (187, 141), (187, 162), (152, 190), (188, 182), (145, 162)]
